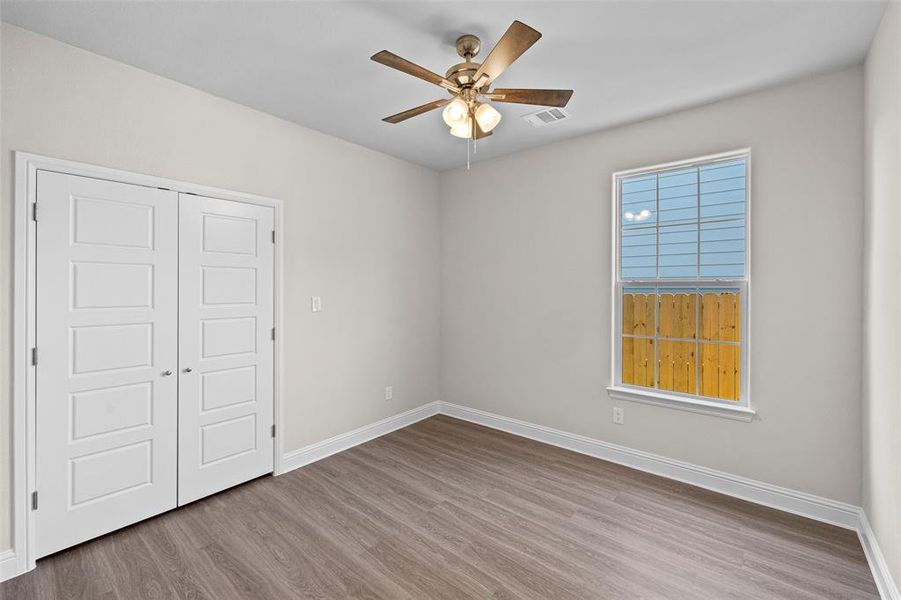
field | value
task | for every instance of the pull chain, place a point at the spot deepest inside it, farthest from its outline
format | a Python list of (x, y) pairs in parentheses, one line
[(467, 155)]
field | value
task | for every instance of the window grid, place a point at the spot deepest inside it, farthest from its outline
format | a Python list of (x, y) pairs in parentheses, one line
[(697, 303), (721, 246), (657, 336), (708, 217)]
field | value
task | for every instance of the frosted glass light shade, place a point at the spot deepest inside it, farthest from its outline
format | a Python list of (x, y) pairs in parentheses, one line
[(487, 117), (455, 113), (463, 130)]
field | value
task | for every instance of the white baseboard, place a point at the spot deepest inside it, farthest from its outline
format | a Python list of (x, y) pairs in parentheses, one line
[(799, 503), (310, 454), (884, 580), (785, 499), (9, 566), (814, 507), (807, 505)]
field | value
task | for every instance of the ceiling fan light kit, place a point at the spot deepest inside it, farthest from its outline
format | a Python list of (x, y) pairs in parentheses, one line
[(455, 112), (487, 117), (463, 130), (468, 113)]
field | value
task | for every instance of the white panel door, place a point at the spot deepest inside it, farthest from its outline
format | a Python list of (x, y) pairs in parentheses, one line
[(106, 338), (226, 315)]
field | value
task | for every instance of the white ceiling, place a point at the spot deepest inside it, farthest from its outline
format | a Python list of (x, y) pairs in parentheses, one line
[(309, 61)]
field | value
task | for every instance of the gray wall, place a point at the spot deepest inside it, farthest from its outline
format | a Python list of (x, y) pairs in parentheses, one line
[(361, 228), (882, 297), (525, 311), (523, 278)]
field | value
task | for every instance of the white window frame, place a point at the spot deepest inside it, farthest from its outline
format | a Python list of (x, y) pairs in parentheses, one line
[(617, 390)]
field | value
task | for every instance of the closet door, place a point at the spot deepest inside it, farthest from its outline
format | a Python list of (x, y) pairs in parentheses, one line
[(226, 315), (106, 347)]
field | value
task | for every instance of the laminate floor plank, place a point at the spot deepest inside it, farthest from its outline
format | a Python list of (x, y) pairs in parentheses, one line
[(445, 509), (178, 563)]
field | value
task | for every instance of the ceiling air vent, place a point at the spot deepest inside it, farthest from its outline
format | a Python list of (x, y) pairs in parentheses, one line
[(546, 116)]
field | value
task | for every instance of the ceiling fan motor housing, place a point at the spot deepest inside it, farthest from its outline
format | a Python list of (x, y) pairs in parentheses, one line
[(462, 74)]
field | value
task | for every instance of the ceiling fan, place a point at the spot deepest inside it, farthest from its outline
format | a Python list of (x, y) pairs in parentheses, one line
[(467, 111)]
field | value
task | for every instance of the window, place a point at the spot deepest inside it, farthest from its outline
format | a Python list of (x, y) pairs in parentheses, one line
[(681, 284)]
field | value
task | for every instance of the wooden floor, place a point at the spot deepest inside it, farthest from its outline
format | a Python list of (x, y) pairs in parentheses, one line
[(447, 509)]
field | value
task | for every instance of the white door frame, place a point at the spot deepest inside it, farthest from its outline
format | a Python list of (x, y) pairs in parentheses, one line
[(23, 423)]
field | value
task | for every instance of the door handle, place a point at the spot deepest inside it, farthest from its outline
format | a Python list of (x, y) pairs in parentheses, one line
[(188, 369), (166, 373)]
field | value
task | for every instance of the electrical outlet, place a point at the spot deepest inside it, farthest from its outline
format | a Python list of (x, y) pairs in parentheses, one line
[(316, 303), (389, 392), (618, 416)]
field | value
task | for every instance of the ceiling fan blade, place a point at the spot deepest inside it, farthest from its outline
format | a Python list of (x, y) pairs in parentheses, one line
[(538, 97), (389, 59), (413, 112), (518, 38)]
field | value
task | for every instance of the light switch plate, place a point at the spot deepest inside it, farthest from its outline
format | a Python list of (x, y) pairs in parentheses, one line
[(316, 303)]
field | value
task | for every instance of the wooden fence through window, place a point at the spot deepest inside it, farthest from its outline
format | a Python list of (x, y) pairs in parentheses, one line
[(688, 339)]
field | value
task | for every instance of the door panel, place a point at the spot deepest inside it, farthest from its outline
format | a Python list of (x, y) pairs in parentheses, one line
[(106, 331), (226, 313)]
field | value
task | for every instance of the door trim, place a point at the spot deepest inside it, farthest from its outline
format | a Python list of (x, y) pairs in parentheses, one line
[(23, 423)]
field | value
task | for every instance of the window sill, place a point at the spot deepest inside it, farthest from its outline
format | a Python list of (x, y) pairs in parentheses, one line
[(704, 407)]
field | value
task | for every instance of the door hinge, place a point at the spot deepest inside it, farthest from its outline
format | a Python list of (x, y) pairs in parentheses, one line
[(34, 356), (34, 211), (273, 236), (273, 431), (273, 333), (34, 500)]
